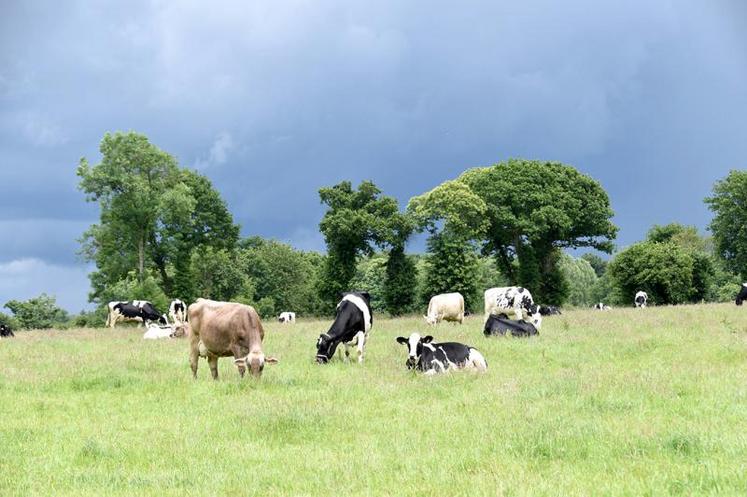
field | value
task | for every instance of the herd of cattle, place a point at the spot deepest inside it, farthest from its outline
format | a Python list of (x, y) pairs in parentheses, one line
[(229, 329)]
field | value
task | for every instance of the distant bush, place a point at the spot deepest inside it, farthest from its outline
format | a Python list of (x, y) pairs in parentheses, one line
[(39, 312)]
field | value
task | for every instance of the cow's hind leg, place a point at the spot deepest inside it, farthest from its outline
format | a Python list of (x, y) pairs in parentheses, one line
[(361, 345)]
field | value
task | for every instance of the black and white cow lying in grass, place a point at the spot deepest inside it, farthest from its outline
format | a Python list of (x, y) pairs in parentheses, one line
[(549, 310), (6, 332), (742, 295), (601, 306), (500, 325), (433, 358), (352, 324)]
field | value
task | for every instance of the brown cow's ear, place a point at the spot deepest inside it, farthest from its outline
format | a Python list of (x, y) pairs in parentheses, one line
[(271, 360)]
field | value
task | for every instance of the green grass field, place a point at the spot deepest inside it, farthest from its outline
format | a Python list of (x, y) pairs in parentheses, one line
[(627, 402)]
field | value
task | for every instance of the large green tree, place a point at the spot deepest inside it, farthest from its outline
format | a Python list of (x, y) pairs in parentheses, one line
[(534, 210), (455, 217), (355, 222), (581, 278), (153, 216), (729, 225)]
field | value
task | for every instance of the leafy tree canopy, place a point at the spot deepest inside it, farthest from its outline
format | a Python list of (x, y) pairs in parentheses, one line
[(729, 225), (39, 312)]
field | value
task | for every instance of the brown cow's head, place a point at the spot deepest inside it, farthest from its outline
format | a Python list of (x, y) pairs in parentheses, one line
[(255, 363)]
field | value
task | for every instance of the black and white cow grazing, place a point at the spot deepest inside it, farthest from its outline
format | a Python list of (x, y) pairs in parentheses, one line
[(549, 310), (139, 310), (177, 311), (515, 302), (352, 324), (432, 358), (641, 298), (5, 331), (500, 325), (601, 306), (742, 295)]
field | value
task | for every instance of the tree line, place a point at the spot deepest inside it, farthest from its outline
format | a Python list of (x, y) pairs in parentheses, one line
[(165, 232)]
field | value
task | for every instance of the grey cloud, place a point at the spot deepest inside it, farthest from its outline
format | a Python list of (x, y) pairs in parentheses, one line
[(273, 100)]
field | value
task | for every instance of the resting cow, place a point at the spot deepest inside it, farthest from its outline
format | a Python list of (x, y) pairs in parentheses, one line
[(641, 299), (223, 329), (154, 332), (5, 331), (742, 295), (353, 322), (177, 311), (141, 311), (287, 317), (500, 325), (601, 306), (549, 310), (445, 307), (515, 302), (432, 358)]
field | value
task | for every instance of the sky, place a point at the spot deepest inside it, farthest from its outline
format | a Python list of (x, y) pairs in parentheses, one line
[(273, 100)]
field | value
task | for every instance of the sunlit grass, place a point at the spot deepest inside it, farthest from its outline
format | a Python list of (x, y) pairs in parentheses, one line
[(625, 402)]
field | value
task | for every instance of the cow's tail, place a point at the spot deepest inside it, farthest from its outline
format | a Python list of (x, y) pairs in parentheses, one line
[(477, 360)]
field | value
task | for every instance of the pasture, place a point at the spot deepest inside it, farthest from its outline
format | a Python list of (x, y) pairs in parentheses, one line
[(624, 402)]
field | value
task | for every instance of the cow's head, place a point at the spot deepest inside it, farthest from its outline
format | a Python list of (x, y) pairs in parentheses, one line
[(534, 315), (180, 330), (163, 320), (414, 348), (325, 348), (431, 320), (255, 362)]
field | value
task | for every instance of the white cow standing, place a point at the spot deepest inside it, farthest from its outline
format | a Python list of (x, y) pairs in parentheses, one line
[(515, 302), (445, 307), (641, 299)]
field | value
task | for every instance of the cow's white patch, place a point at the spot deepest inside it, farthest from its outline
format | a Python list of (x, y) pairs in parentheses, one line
[(360, 304), (476, 361)]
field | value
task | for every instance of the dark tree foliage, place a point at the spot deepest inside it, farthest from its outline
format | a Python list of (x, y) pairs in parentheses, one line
[(729, 225), (154, 215), (39, 312), (355, 222), (535, 209), (400, 283), (452, 266), (663, 270)]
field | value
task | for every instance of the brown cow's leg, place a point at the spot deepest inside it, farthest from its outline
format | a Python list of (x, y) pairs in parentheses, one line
[(194, 358), (213, 362)]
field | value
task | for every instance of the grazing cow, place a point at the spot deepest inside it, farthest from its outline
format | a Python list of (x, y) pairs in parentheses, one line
[(223, 329), (515, 302), (549, 310), (177, 311), (601, 306), (641, 298), (432, 358), (742, 296), (500, 325), (445, 307), (5, 331), (141, 311), (353, 322), (287, 317)]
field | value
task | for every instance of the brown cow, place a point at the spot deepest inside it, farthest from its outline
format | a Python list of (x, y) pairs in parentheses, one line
[(222, 329)]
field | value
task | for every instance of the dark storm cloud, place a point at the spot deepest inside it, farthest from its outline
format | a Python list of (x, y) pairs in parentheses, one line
[(272, 100)]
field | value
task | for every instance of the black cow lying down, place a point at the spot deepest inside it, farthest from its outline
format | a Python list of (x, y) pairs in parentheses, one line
[(5, 332), (432, 358), (500, 325), (549, 310)]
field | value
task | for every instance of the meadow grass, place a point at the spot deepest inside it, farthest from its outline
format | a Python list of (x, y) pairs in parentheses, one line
[(625, 402)]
